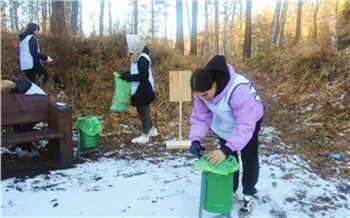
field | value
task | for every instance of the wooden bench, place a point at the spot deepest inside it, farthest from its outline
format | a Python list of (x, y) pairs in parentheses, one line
[(25, 109)]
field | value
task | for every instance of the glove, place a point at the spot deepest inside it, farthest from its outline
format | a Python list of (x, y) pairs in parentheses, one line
[(196, 148), (124, 77), (49, 59)]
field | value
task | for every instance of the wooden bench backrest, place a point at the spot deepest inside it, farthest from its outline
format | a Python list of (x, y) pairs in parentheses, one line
[(21, 109)]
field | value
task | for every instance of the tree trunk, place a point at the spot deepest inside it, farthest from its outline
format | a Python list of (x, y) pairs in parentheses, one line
[(281, 26), (316, 5), (298, 26), (239, 46), (57, 21), (248, 31), (206, 38), (152, 19), (74, 17), (188, 19), (166, 23), (135, 21), (217, 26), (335, 31), (110, 17), (274, 23), (102, 14), (231, 30), (44, 15), (194, 28), (179, 27)]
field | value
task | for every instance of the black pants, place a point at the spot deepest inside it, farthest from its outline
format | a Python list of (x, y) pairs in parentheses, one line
[(39, 70), (250, 163), (146, 121)]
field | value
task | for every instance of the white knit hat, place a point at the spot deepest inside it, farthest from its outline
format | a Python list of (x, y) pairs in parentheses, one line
[(132, 41)]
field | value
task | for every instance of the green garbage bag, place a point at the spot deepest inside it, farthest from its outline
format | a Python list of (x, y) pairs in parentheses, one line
[(89, 125), (121, 98), (226, 167)]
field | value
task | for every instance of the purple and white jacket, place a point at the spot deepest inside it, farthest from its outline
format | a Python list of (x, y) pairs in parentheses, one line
[(232, 114)]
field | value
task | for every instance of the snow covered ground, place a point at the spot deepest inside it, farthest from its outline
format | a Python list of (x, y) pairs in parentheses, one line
[(168, 187)]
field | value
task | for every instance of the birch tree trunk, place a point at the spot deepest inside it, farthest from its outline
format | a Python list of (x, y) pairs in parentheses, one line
[(298, 25), (281, 26), (193, 50), (274, 23), (179, 27), (248, 31), (335, 31)]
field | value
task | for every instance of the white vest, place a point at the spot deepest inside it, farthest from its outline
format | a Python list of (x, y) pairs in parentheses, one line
[(134, 71), (34, 89), (26, 59), (223, 122)]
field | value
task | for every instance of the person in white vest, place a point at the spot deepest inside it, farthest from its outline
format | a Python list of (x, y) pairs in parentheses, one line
[(142, 86), (30, 56), (227, 103)]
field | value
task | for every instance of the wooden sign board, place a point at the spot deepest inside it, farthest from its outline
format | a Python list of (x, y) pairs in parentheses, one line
[(179, 86)]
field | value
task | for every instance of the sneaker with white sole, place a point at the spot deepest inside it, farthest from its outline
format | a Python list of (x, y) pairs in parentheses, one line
[(247, 207), (153, 133), (235, 198), (140, 140)]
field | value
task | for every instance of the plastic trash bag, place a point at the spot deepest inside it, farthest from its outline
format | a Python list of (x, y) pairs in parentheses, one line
[(121, 98), (226, 167), (89, 125)]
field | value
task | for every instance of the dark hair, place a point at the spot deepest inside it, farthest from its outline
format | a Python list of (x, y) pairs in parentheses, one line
[(201, 80), (32, 27)]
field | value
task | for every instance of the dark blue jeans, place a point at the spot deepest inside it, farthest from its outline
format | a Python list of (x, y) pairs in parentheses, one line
[(250, 163), (144, 114)]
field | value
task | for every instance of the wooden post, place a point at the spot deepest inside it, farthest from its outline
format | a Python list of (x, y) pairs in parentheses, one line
[(179, 92)]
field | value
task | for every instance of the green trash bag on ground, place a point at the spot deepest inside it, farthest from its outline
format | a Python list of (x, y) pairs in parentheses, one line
[(226, 167), (89, 125), (121, 98)]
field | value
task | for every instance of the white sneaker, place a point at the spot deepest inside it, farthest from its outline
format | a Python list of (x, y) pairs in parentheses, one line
[(247, 207), (141, 139), (153, 133)]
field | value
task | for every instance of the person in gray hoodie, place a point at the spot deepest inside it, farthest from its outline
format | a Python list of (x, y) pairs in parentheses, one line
[(227, 103), (30, 56)]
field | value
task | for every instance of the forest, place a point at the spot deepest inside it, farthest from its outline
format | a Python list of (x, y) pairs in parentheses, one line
[(296, 52)]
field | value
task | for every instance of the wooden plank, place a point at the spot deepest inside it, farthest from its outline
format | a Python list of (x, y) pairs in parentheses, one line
[(178, 144), (22, 109), (174, 86), (21, 137)]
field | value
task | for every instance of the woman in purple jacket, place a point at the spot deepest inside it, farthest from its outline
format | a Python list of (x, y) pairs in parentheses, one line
[(227, 103)]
